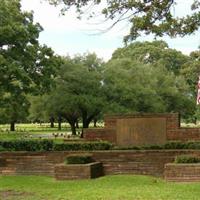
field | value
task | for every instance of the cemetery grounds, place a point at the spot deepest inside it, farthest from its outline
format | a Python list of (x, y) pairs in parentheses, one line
[(115, 187)]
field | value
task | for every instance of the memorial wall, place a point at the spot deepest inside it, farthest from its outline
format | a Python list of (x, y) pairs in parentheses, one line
[(142, 129)]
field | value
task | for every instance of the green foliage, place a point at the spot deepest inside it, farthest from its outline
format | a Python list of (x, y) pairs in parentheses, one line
[(49, 145), (78, 159), (113, 187), (155, 53), (168, 145), (25, 66), (78, 92), (37, 111), (27, 145), (85, 146), (182, 145), (145, 17), (145, 77), (141, 77), (2, 148), (191, 70), (186, 159)]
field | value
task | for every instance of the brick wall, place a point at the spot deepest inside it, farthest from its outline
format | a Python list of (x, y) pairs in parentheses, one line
[(78, 171), (182, 172), (107, 134), (173, 130), (149, 162), (184, 134), (28, 163)]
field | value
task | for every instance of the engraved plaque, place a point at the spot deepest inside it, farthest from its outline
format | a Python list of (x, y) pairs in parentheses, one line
[(141, 131)]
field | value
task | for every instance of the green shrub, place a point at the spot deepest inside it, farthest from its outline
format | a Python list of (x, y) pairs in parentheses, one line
[(150, 147), (126, 148), (27, 145), (1, 148), (187, 159), (168, 145), (85, 146), (49, 145), (78, 159), (182, 145)]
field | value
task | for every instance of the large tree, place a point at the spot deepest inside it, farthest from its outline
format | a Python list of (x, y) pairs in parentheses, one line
[(142, 78), (78, 93), (145, 16), (191, 70), (154, 53), (25, 66)]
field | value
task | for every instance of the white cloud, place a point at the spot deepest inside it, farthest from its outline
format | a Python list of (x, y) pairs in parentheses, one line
[(68, 35)]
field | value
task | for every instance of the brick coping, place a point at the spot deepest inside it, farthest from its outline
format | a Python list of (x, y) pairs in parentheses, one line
[(99, 151), (134, 115), (77, 165), (183, 164)]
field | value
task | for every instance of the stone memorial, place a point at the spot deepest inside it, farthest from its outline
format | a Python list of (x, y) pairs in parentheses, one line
[(140, 131), (137, 129)]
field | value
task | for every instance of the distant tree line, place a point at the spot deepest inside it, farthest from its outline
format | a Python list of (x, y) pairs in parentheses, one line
[(37, 85)]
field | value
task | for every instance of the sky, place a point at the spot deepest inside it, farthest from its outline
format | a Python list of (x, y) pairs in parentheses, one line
[(67, 35)]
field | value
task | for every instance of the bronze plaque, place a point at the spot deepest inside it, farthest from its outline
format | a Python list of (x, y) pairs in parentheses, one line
[(141, 131)]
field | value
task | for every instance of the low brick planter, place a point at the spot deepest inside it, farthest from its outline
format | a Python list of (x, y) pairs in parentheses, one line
[(182, 172), (78, 171)]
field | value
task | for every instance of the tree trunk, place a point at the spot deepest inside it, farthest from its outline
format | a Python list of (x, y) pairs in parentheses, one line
[(195, 120), (71, 119), (95, 122), (59, 123), (81, 136), (73, 128), (88, 118), (86, 123), (52, 122), (84, 119), (77, 125), (12, 126)]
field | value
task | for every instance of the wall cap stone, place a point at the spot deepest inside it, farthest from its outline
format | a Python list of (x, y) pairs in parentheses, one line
[(140, 114)]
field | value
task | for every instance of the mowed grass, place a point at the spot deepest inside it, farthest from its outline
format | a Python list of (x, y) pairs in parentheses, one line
[(36, 131), (43, 130), (116, 187), (34, 128), (33, 131)]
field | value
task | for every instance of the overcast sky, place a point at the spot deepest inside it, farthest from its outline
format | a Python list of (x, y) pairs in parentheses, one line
[(68, 35)]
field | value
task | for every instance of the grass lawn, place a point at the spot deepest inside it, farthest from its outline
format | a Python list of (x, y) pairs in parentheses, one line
[(33, 131), (36, 131), (119, 187), (34, 128)]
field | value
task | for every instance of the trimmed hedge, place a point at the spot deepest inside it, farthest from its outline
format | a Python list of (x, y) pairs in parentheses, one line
[(182, 145), (169, 145), (186, 159), (86, 146), (26, 145), (78, 159), (49, 145)]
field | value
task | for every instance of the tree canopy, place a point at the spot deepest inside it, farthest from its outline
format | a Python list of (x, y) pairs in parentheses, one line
[(78, 93), (154, 53), (141, 77), (25, 66), (146, 77), (145, 16)]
